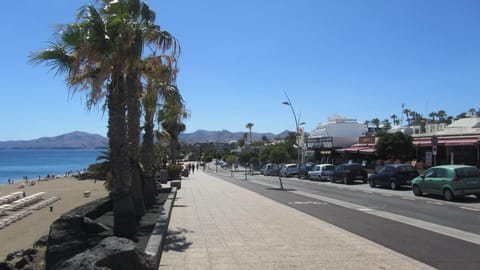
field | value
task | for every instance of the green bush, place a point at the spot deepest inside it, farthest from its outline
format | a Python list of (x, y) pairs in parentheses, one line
[(174, 171)]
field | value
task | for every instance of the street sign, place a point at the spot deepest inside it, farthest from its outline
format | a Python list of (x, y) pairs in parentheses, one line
[(434, 140)]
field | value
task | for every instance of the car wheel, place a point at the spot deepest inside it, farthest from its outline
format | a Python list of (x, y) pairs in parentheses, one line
[(416, 190), (345, 180), (371, 183), (393, 185), (448, 194)]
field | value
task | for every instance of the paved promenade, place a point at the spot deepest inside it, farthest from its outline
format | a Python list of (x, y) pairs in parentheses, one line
[(218, 225)]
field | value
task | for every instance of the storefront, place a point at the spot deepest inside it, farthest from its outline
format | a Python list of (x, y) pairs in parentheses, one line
[(449, 150)]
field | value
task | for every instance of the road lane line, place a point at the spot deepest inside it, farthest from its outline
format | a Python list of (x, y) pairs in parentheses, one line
[(433, 202), (409, 198), (451, 232), (471, 209), (444, 230)]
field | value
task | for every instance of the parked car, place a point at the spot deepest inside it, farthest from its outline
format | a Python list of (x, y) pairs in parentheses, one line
[(321, 172), (270, 169), (349, 172), (393, 176), (304, 170), (448, 181), (289, 170)]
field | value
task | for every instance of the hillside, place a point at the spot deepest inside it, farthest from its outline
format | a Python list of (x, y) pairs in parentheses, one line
[(83, 140), (73, 140), (225, 136)]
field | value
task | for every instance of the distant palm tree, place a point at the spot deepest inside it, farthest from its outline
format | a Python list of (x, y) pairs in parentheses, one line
[(249, 126), (394, 118), (386, 123), (472, 111), (376, 122), (170, 117), (441, 114), (366, 123), (407, 114), (433, 115)]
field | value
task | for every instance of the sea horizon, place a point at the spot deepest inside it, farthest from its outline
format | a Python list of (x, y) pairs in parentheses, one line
[(17, 164)]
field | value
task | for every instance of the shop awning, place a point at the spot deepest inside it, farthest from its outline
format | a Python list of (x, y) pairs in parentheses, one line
[(449, 141), (454, 142), (368, 150)]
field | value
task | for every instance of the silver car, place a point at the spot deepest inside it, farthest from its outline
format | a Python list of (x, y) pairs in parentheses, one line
[(321, 172)]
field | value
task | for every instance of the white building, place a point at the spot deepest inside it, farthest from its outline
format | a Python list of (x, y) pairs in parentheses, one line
[(342, 131)]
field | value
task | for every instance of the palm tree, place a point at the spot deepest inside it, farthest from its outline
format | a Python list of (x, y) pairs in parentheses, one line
[(394, 118), (386, 123), (144, 33), (413, 115), (441, 114), (158, 75), (433, 115), (249, 126), (101, 52), (407, 114), (472, 111), (170, 116), (376, 122)]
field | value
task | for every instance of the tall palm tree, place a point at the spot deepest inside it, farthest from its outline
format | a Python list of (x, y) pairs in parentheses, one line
[(92, 55), (249, 126), (158, 75), (170, 116), (101, 52), (144, 32)]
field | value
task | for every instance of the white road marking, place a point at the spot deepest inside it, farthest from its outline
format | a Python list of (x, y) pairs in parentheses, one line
[(471, 209), (444, 230)]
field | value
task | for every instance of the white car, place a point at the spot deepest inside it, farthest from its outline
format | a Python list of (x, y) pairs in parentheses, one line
[(321, 172)]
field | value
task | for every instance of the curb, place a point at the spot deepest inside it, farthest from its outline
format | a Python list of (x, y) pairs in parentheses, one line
[(155, 243)]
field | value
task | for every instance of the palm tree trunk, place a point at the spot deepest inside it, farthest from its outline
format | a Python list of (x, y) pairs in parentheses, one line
[(124, 223), (133, 109), (149, 189)]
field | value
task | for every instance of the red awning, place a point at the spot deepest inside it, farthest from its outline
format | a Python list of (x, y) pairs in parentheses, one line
[(368, 150), (448, 141), (453, 142)]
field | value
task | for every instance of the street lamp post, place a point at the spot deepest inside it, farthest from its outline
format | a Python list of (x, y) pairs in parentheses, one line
[(297, 125)]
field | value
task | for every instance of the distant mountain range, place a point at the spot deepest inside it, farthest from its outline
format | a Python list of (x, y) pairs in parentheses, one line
[(83, 140), (73, 140), (225, 136)]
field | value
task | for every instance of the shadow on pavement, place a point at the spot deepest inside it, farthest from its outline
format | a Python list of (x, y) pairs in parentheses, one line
[(279, 189), (176, 240)]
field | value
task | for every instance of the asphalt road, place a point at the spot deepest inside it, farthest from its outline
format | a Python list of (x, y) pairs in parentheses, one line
[(445, 235)]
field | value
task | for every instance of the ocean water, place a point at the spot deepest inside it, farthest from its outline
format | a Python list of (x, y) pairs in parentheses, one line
[(18, 163)]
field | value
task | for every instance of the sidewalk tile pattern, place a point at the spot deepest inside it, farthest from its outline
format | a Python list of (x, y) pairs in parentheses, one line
[(218, 225)]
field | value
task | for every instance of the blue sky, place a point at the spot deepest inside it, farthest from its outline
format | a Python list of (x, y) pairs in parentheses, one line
[(358, 59)]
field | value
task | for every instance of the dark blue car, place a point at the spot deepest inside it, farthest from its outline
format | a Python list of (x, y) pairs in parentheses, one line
[(393, 176)]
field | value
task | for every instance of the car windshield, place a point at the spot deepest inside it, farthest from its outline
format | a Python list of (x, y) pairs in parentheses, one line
[(352, 167), (405, 169), (467, 172), (329, 168)]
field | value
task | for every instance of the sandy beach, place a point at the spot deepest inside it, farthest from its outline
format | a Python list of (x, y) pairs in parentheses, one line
[(26, 231)]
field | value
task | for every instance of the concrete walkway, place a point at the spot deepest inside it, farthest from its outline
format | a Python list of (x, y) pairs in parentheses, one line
[(218, 225)]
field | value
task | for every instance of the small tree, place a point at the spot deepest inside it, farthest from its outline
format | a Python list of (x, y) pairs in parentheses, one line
[(394, 146)]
